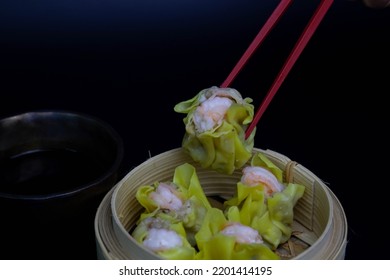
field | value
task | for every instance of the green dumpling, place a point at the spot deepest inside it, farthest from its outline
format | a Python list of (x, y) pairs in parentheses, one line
[(215, 128), (221, 238), (166, 239)]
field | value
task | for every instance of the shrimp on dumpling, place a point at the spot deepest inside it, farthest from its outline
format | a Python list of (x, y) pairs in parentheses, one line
[(256, 175), (211, 113), (166, 197), (242, 233)]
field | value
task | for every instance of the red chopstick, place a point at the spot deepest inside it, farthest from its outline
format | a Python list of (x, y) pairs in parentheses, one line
[(295, 53), (264, 31), (309, 30)]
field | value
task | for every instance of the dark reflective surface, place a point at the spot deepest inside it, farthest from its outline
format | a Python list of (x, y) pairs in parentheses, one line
[(45, 168), (130, 62)]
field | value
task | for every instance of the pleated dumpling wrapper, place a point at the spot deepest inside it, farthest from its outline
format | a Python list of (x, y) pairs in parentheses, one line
[(215, 128), (222, 239), (264, 202)]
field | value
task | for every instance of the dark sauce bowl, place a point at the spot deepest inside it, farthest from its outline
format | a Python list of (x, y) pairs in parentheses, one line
[(55, 168)]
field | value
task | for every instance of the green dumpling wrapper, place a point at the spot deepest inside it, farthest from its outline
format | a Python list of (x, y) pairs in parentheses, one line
[(249, 201), (281, 208), (275, 224)]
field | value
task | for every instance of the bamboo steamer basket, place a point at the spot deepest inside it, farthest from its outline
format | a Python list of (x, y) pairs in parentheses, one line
[(319, 228)]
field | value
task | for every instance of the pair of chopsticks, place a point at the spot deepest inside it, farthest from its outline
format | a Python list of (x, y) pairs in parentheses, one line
[(307, 33)]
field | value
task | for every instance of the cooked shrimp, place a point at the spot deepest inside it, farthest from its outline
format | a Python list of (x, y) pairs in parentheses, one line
[(211, 113), (242, 233), (166, 197), (160, 239), (255, 175)]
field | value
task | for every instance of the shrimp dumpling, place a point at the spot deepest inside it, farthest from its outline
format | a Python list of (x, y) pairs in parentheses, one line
[(215, 128)]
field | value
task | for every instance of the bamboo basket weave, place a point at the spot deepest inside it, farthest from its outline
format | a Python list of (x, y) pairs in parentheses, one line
[(319, 228)]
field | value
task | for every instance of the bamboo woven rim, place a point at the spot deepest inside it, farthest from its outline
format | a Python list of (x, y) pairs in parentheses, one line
[(317, 212)]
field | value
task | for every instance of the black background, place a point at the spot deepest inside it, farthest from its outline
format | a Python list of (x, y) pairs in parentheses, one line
[(129, 62)]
